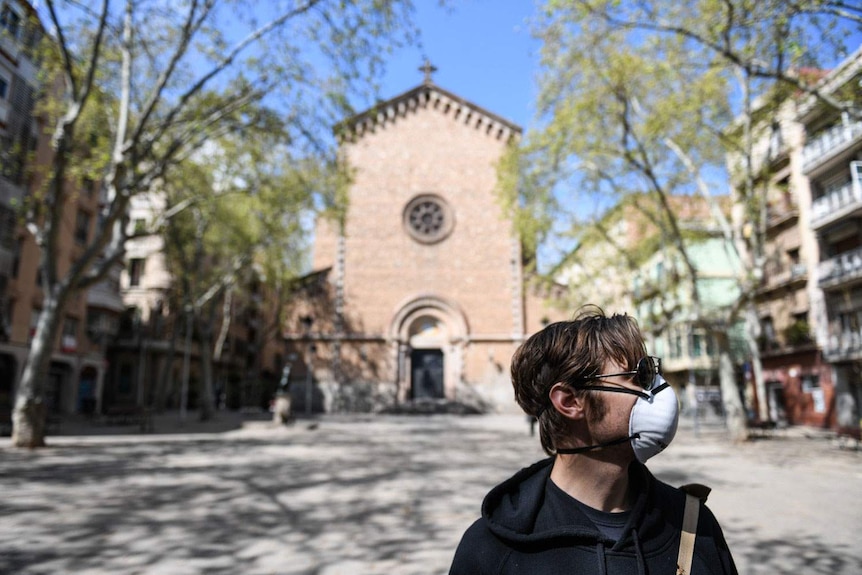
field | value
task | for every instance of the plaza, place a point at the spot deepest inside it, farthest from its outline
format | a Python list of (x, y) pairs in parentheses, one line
[(356, 495)]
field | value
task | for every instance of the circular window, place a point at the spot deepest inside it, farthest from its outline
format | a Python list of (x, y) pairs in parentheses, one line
[(428, 218)]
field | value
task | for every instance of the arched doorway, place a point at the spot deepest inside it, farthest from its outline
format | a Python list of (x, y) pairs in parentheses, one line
[(428, 334), (427, 373)]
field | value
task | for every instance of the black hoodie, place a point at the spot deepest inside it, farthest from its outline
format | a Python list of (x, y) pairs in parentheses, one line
[(517, 533)]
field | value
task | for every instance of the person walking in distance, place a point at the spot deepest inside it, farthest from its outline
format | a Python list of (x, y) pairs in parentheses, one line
[(592, 507)]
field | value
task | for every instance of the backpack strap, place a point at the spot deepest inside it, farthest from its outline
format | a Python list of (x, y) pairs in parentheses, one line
[(698, 490), (695, 493)]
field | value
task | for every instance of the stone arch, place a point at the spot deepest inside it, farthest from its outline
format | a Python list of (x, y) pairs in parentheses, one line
[(428, 323)]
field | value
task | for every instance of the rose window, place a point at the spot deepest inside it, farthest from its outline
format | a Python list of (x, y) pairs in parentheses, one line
[(428, 219)]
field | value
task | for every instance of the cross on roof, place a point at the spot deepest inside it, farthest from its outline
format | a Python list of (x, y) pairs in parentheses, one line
[(428, 69)]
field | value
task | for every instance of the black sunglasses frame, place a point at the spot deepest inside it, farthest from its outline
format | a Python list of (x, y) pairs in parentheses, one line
[(645, 371)]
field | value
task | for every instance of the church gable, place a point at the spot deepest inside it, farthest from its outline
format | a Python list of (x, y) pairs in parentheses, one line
[(428, 96)]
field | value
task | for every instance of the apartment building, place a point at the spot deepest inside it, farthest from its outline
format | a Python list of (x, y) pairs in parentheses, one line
[(624, 264), (18, 135), (77, 367), (831, 160), (148, 353), (678, 328), (797, 378)]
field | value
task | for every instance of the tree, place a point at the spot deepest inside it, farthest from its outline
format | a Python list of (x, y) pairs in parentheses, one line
[(234, 218), (641, 97), (159, 66)]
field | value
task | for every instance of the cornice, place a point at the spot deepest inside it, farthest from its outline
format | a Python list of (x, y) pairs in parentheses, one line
[(427, 96)]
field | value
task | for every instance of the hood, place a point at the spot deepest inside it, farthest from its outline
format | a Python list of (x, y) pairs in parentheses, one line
[(512, 512)]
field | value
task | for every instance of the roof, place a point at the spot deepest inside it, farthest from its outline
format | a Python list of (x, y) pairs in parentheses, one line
[(845, 71), (427, 95)]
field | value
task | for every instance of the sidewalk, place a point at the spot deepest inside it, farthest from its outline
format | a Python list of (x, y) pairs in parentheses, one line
[(168, 422), (369, 495)]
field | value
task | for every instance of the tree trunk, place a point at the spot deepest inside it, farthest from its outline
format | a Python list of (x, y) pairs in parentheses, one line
[(206, 395), (752, 326), (734, 412), (165, 383), (187, 352), (28, 417)]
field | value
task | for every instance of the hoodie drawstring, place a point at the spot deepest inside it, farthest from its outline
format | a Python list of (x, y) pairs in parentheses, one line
[(639, 553), (600, 552)]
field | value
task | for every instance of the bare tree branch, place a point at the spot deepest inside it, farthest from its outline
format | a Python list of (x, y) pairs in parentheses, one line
[(214, 71)]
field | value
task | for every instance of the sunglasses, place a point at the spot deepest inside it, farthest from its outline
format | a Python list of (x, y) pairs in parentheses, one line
[(644, 373)]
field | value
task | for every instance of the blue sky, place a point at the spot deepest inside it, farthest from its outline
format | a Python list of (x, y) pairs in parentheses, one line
[(483, 52)]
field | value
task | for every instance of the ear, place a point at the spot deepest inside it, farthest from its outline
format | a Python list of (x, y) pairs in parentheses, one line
[(569, 403)]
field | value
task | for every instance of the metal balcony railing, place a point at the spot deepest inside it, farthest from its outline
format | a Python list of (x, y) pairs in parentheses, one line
[(828, 142), (841, 268), (838, 198), (844, 344)]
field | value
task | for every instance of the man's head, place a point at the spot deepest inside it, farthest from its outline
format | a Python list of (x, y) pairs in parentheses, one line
[(568, 353)]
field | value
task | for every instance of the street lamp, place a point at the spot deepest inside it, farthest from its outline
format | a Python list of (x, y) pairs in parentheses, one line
[(307, 321)]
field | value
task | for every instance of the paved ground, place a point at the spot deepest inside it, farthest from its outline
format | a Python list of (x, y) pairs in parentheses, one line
[(384, 495)]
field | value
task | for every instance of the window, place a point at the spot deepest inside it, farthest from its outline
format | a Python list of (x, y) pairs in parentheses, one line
[(676, 347), (776, 142), (793, 256), (850, 322), (4, 88), (69, 341), (710, 346), (140, 226), (124, 379), (428, 219), (696, 345), (810, 382), (768, 328), (34, 322), (10, 21), (136, 270), (82, 227)]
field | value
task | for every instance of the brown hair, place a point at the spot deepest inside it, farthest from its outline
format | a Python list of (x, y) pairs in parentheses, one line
[(569, 351)]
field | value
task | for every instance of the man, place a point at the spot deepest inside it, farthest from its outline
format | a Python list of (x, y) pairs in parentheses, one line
[(593, 507)]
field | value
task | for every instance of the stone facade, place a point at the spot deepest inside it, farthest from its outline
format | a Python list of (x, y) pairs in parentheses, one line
[(426, 272)]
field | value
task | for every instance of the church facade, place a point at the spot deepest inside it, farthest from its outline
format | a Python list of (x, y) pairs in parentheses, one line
[(424, 277)]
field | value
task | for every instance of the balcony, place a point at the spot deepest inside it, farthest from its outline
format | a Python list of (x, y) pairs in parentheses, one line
[(780, 216), (842, 269), (777, 278), (105, 294), (846, 345), (829, 143), (839, 201)]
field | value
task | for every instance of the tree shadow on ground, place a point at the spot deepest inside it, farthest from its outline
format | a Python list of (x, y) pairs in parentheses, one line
[(395, 502), (356, 497)]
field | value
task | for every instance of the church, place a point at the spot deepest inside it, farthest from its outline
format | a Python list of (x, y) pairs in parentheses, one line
[(418, 294)]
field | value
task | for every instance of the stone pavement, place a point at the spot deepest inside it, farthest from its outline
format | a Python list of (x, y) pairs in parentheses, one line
[(363, 495)]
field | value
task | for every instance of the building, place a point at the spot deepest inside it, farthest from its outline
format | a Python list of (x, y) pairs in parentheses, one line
[(831, 160), (148, 354), (78, 363), (425, 274), (18, 134), (797, 378)]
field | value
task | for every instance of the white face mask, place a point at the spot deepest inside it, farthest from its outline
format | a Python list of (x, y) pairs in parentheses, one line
[(653, 422)]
